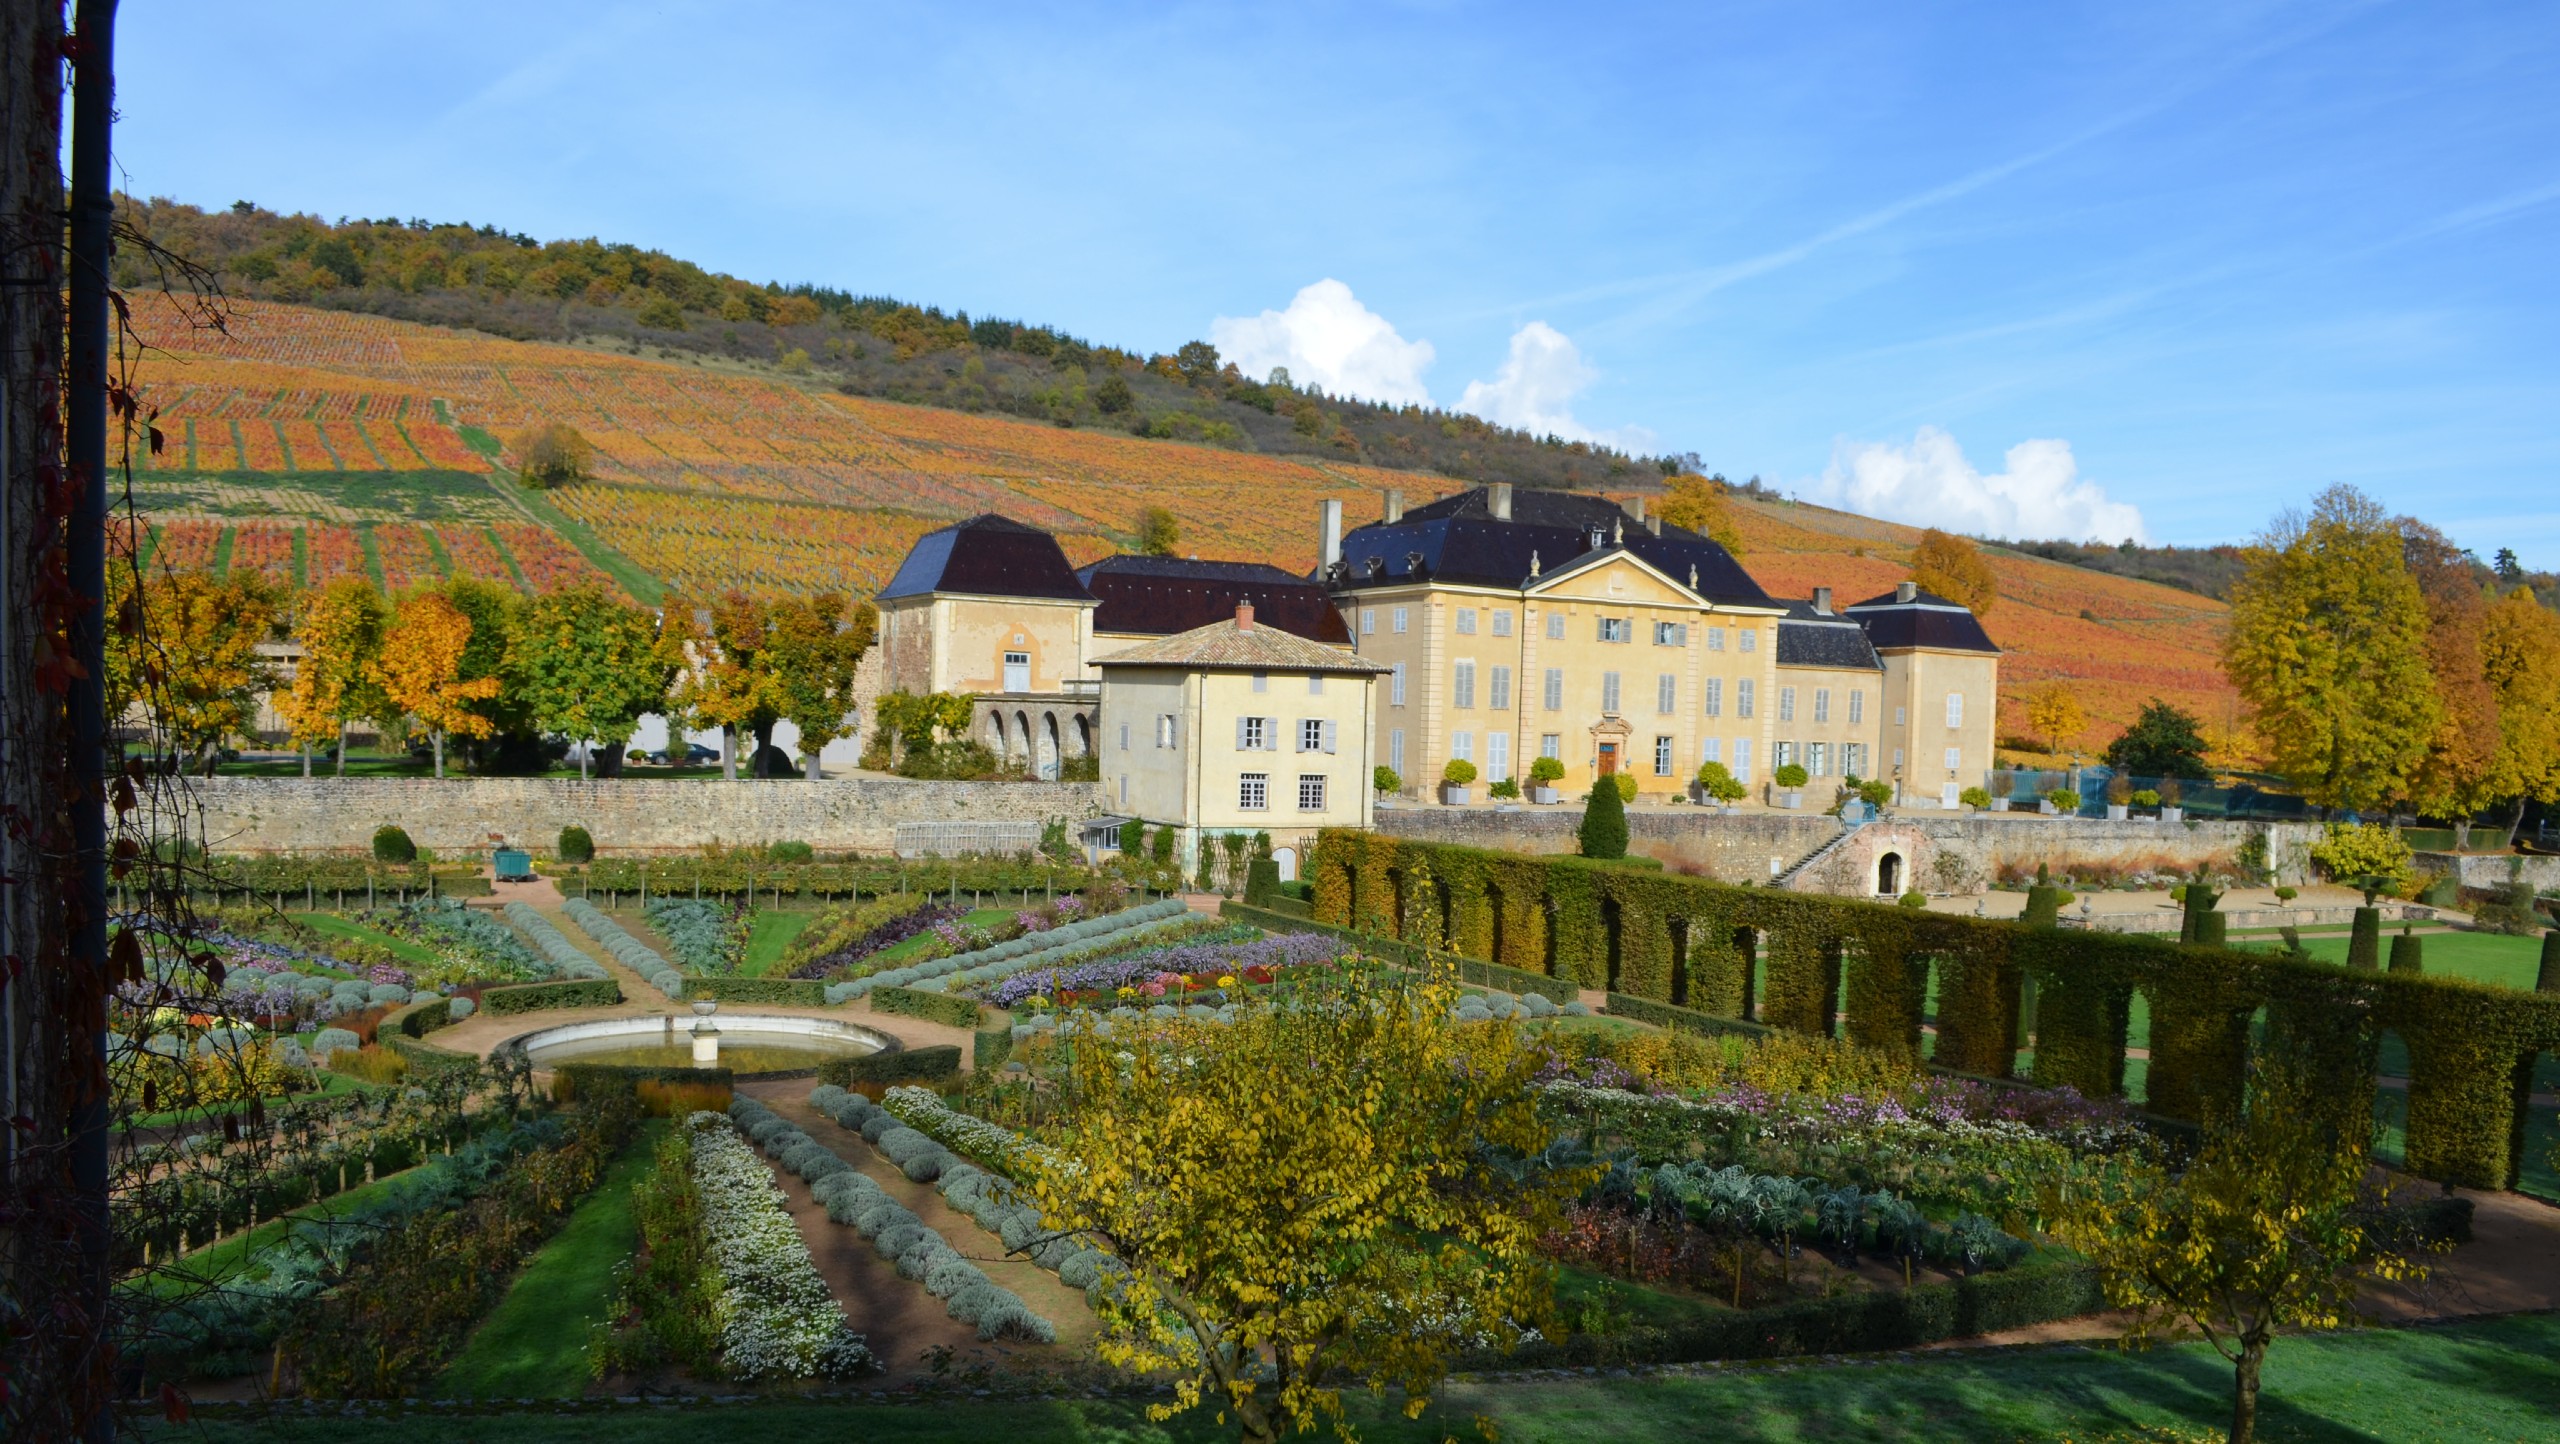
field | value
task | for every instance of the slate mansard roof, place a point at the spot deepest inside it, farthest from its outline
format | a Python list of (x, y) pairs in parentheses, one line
[(1157, 596), (1807, 638), (1927, 620), (1228, 647), (1458, 539), (987, 556)]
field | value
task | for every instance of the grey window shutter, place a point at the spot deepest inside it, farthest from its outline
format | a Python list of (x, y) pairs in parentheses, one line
[(1271, 734), (1328, 737), (1240, 734)]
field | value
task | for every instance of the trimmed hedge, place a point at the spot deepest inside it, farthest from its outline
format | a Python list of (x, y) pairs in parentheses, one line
[(587, 1080), (933, 1007), (865, 877), (794, 992), (1677, 940), (418, 1019), (427, 1058), (541, 997), (898, 1065), (1854, 1323), (994, 1047), (1681, 1020)]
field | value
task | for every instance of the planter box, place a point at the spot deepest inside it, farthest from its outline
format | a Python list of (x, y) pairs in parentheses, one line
[(2116, 812), (1451, 794), (2173, 814), (2048, 809), (1791, 798), (1546, 795), (1999, 804)]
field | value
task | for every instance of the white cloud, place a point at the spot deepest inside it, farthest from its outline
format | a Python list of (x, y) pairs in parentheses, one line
[(1535, 388), (1327, 338), (1929, 483)]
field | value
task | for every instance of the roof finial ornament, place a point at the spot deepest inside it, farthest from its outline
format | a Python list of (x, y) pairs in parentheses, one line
[(1693, 576), (1618, 531), (1533, 563)]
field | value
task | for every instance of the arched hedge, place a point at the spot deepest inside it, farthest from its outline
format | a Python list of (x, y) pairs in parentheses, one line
[(1680, 940)]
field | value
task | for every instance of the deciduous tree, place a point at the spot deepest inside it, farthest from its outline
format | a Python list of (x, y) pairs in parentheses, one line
[(2520, 656), (589, 666), (2455, 776), (726, 683), (2165, 740), (2269, 1228), (554, 455), (1338, 1188), (2056, 715), (816, 648), (1697, 503), (2328, 648), (1159, 532), (421, 670), (1951, 567), (341, 628), (193, 658)]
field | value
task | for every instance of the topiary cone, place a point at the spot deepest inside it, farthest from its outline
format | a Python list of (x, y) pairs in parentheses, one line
[(2044, 906), (2364, 945), (2549, 979), (2211, 929), (2408, 953), (1604, 821)]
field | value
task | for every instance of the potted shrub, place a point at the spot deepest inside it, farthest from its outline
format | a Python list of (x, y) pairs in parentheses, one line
[(1976, 798), (2170, 796), (1385, 782), (2147, 800), (1544, 774), (2286, 895), (1507, 790), (1790, 781), (1716, 784), (2061, 802), (1454, 779), (2119, 797)]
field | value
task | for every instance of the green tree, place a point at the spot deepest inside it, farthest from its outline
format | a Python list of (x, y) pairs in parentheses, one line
[(1197, 361), (817, 647), (1113, 397), (2269, 1228), (725, 683), (2366, 856), (1159, 531), (1383, 780), (2164, 741), (1604, 821), (2327, 645), (1717, 781), (589, 666), (495, 610), (1338, 1188)]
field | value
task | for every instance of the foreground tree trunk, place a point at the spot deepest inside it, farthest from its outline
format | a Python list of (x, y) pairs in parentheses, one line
[(814, 774), (2244, 1391), (438, 736), (728, 753)]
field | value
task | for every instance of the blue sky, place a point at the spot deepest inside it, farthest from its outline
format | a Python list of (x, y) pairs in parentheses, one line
[(2027, 269)]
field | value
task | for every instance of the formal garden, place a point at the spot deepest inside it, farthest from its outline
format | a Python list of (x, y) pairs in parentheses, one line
[(1541, 1141)]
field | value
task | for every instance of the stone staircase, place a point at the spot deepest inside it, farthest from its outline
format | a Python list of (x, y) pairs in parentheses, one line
[(1786, 880)]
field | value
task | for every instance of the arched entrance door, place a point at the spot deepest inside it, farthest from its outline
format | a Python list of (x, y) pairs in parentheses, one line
[(1286, 859), (1889, 875)]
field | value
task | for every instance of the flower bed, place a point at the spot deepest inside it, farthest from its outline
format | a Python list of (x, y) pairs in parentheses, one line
[(1032, 950), (567, 961), (851, 1197), (902, 918), (708, 937), (1244, 955), (775, 1316), (473, 945)]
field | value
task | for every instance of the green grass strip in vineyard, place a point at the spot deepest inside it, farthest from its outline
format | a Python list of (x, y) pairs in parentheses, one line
[(372, 554), (336, 462), (515, 569), (302, 556), (365, 434), (220, 565), (239, 443), (436, 552), (533, 1345), (190, 426), (644, 588), (281, 444)]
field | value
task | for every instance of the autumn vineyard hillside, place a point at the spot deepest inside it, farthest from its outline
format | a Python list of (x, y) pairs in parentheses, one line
[(312, 443)]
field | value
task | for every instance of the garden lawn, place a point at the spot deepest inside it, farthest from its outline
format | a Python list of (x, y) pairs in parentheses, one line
[(533, 1345), (338, 927), (2490, 1382), (222, 1260), (2481, 957), (774, 931)]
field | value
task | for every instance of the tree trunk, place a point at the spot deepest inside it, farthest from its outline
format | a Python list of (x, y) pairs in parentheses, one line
[(812, 761), (2244, 1391), (306, 761), (2515, 823), (586, 749), (342, 749), (728, 753), (438, 735), (2462, 834)]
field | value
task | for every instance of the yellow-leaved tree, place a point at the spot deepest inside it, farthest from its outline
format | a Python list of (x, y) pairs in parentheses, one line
[(2056, 715), (1338, 1187), (2271, 1226), (420, 670), (1697, 503), (1950, 566), (340, 627), (186, 647), (2520, 655)]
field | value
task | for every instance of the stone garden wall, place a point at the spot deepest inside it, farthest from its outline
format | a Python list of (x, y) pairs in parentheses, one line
[(626, 815), (1938, 853)]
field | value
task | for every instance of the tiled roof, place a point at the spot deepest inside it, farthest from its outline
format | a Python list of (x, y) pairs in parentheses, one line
[(1225, 647), (1458, 539), (1155, 596), (1927, 620), (1807, 638), (989, 556)]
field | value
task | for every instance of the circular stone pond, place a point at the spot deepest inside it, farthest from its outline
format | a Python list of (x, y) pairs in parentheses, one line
[(746, 1043)]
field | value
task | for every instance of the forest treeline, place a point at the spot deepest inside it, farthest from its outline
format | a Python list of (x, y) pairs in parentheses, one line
[(646, 302)]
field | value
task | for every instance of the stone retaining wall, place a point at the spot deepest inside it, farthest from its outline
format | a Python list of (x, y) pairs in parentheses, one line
[(1936, 852), (625, 815), (2488, 870)]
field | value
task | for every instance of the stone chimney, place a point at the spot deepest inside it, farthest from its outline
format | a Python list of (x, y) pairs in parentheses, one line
[(1906, 591), (1653, 524), (1497, 499), (1395, 505), (1328, 533), (1822, 601), (1244, 616), (1634, 508)]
